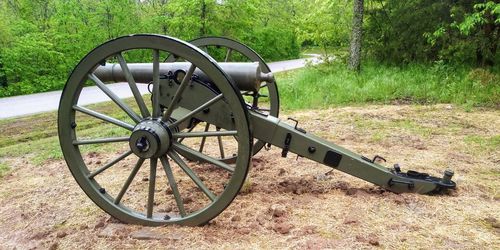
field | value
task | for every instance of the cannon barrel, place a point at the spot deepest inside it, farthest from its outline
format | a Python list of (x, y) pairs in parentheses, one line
[(247, 76)]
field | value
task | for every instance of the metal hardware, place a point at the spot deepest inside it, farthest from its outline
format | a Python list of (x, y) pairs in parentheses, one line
[(296, 124), (375, 158), (410, 184), (286, 145), (397, 168)]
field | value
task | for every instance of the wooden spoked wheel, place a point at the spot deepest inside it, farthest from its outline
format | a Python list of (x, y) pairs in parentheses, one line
[(266, 100), (143, 178)]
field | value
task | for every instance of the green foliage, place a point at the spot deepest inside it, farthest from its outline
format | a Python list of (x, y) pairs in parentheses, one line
[(464, 31), (395, 29), (33, 63), (472, 35), (482, 12), (324, 86), (41, 41), (324, 23)]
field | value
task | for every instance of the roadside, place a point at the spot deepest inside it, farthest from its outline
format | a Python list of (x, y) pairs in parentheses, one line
[(42, 102)]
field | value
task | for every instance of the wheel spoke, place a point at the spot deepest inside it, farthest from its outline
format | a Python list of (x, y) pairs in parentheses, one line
[(221, 147), (205, 134), (129, 181), (178, 94), (196, 111), (189, 130), (104, 117), (156, 83), (109, 164), (152, 182), (183, 150), (133, 86), (228, 54), (114, 97), (192, 175), (204, 139), (101, 140), (173, 186)]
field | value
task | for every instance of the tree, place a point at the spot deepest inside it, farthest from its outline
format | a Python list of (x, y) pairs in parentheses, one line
[(3, 77), (4, 40), (356, 37), (457, 31), (42, 40), (324, 23), (480, 26)]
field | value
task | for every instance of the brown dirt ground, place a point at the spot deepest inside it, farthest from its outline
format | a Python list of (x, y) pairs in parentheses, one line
[(289, 203)]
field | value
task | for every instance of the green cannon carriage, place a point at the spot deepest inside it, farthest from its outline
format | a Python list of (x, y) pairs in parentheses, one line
[(195, 133)]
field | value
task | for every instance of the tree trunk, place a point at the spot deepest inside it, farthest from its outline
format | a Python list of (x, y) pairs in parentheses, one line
[(3, 77), (356, 36), (203, 29)]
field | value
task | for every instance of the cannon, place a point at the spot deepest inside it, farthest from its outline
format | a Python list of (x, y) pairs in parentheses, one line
[(181, 153)]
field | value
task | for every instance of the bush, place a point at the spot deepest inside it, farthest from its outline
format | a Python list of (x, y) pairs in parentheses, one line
[(32, 65), (274, 44)]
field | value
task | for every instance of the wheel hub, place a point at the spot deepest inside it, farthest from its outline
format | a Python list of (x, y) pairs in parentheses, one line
[(150, 139)]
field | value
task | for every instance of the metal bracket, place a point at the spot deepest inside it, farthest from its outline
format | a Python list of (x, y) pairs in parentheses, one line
[(286, 146), (377, 157), (410, 184), (296, 124)]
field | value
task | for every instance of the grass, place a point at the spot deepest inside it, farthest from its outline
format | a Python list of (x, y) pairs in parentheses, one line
[(3, 169), (333, 85), (483, 143)]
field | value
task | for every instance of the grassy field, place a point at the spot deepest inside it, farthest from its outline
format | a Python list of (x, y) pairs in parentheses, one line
[(44, 207), (334, 85)]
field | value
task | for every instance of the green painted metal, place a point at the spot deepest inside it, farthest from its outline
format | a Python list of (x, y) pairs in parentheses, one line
[(118, 203), (169, 130), (275, 131), (248, 76), (270, 88)]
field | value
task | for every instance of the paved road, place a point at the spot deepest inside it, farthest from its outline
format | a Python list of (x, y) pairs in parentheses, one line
[(49, 101)]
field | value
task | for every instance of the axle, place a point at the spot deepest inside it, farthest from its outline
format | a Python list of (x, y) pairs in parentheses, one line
[(247, 76)]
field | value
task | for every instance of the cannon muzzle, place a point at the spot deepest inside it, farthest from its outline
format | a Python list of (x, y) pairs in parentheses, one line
[(247, 76)]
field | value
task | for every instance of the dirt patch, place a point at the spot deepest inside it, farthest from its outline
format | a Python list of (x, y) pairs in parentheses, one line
[(294, 203)]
